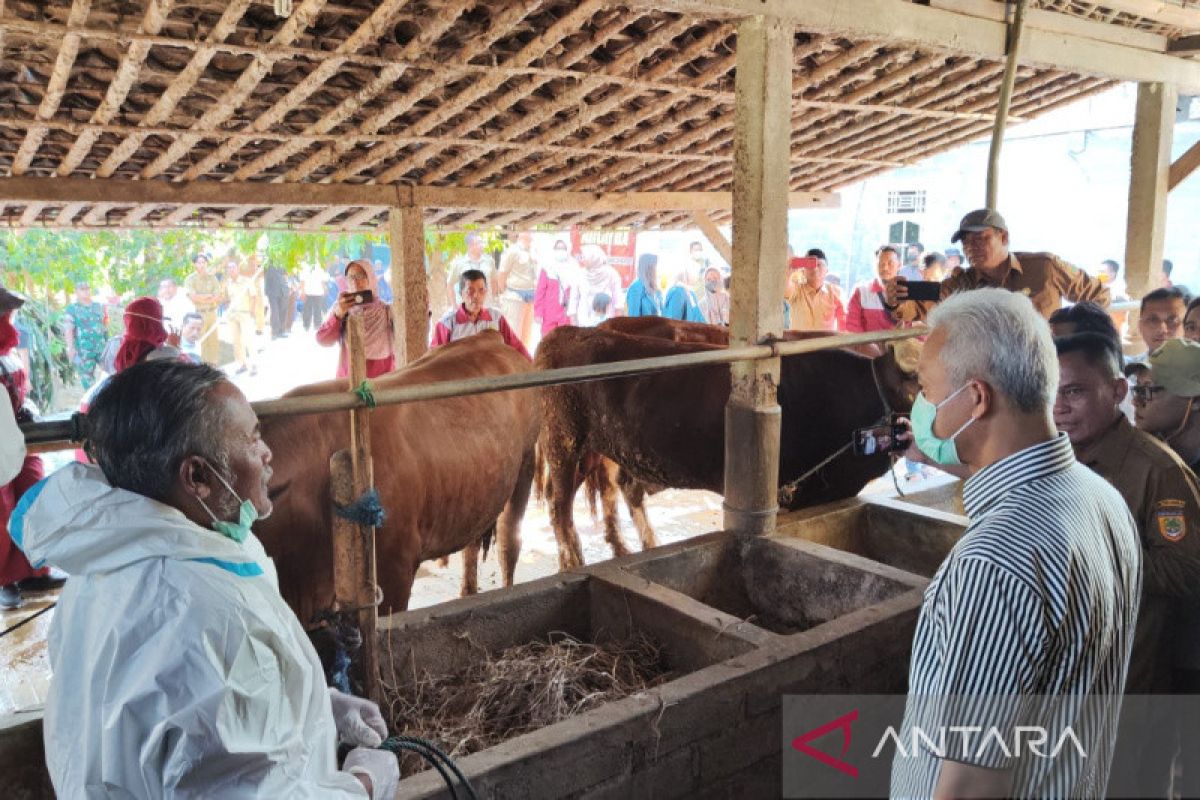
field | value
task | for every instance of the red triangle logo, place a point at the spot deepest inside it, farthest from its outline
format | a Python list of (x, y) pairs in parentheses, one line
[(801, 743)]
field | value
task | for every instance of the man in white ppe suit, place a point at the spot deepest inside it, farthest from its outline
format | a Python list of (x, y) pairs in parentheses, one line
[(12, 445), (178, 669)]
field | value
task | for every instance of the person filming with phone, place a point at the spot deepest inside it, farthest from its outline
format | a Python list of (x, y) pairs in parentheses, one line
[(1042, 277), (361, 299)]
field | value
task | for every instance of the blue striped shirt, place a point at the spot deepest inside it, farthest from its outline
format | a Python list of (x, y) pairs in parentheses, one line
[(1028, 622)]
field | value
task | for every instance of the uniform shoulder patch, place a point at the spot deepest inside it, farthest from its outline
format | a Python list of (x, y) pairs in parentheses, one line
[(1171, 523)]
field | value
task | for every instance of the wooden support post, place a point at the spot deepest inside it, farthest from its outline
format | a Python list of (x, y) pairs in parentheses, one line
[(410, 303), (762, 139), (352, 475), (1150, 164), (711, 232), (1184, 166), (1006, 90)]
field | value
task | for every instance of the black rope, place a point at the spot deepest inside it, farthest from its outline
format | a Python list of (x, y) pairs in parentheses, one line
[(431, 753), (27, 620)]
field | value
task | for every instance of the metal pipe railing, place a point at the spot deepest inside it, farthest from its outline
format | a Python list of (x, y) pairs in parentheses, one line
[(58, 432)]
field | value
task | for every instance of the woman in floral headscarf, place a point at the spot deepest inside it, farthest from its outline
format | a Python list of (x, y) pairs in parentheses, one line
[(378, 327)]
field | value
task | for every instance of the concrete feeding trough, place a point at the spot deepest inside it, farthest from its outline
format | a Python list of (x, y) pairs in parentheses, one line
[(742, 622)]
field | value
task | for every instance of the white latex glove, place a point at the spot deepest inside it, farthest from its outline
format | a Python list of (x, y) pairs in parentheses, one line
[(357, 719), (380, 766)]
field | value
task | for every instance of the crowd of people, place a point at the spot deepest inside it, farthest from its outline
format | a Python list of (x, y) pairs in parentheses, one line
[(1077, 579)]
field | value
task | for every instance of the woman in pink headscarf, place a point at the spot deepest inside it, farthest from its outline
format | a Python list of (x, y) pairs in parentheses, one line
[(378, 328)]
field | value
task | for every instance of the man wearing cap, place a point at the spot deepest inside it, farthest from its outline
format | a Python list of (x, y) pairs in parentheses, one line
[(204, 290), (816, 305), (1042, 277)]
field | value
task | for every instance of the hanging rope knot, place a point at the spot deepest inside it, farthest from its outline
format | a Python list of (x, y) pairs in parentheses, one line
[(366, 393), (367, 510)]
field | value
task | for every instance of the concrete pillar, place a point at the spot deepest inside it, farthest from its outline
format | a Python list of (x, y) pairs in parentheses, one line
[(410, 300), (762, 167), (1149, 168)]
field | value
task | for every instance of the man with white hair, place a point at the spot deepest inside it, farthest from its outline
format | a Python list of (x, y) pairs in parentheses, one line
[(1029, 620)]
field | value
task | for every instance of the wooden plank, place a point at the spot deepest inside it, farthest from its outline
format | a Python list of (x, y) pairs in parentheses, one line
[(1150, 164), (309, 195), (56, 87), (1184, 46), (410, 300), (762, 140), (1171, 14), (711, 232), (1184, 166), (904, 24), (1057, 22)]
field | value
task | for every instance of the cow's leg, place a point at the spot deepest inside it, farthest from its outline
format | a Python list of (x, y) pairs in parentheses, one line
[(635, 498), (606, 474), (508, 526), (470, 571), (563, 458)]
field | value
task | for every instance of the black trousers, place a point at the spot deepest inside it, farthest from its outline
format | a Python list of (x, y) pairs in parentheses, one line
[(278, 314), (314, 307)]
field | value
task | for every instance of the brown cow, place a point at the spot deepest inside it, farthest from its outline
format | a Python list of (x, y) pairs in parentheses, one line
[(667, 429), (447, 471)]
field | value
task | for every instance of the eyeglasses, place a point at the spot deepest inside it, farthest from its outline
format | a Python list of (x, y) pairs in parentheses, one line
[(1146, 393)]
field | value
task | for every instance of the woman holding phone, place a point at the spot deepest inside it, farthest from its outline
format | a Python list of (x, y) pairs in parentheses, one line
[(361, 299)]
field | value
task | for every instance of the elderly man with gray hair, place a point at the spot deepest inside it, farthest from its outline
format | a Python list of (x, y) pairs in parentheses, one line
[(1028, 623), (178, 669)]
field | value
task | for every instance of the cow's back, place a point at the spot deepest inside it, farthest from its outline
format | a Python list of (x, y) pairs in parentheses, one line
[(444, 468)]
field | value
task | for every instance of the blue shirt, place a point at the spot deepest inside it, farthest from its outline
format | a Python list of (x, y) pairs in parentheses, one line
[(641, 303), (681, 304)]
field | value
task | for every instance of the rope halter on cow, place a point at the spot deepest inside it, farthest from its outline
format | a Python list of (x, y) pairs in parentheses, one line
[(787, 492)]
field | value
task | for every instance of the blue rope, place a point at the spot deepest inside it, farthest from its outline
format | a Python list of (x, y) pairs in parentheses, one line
[(367, 510), (366, 393)]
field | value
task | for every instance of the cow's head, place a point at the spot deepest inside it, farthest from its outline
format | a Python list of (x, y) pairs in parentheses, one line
[(897, 371)]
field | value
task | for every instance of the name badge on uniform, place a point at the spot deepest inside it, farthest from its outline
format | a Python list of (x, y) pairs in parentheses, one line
[(1169, 515)]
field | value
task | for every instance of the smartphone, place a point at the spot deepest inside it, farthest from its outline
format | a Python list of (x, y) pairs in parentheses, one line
[(365, 296), (924, 291), (880, 439)]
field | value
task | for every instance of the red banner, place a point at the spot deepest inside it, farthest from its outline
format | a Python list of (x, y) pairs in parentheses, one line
[(619, 245)]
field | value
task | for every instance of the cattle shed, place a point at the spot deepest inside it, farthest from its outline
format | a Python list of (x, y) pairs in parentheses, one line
[(402, 114)]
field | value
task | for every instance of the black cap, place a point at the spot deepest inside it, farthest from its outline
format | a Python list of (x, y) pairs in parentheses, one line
[(978, 220), (10, 301)]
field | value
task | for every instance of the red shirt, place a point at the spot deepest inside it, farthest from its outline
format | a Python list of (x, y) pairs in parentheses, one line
[(457, 324)]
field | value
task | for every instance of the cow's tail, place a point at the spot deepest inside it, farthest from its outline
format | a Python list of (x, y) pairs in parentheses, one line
[(540, 476), (485, 541), (595, 478)]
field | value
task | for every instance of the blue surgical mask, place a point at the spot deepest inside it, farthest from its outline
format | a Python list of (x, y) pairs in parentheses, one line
[(924, 413), (247, 514)]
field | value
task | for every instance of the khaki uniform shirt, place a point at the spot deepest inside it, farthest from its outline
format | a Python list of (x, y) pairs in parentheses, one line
[(820, 310), (521, 269), (1042, 277), (197, 284), (1164, 497)]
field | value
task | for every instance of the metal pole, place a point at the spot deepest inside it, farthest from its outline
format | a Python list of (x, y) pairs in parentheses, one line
[(58, 432), (1006, 90)]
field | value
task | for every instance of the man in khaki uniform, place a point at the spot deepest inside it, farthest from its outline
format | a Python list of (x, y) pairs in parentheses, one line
[(1042, 277), (515, 285), (206, 294), (1164, 497)]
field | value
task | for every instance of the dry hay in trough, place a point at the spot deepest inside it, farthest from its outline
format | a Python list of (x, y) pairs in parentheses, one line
[(522, 689)]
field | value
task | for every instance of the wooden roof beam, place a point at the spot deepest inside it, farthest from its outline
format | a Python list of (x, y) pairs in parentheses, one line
[(502, 24), (118, 88), (213, 194), (905, 24), (30, 214), (178, 87), (55, 88), (370, 30), (323, 218), (537, 48), (233, 98)]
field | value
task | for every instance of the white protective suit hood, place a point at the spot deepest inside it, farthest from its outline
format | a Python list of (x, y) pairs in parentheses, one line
[(12, 443), (178, 669)]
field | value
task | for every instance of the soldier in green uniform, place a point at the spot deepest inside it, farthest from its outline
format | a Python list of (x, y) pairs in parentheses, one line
[(1163, 495), (86, 325), (206, 293)]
